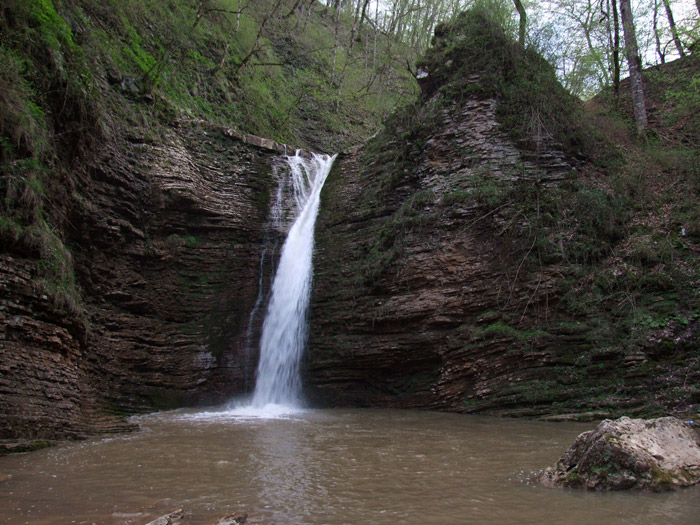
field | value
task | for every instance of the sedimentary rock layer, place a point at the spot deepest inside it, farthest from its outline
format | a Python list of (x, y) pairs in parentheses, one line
[(418, 299), (166, 235)]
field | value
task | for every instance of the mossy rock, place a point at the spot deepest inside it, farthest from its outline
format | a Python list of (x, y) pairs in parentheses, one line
[(656, 454)]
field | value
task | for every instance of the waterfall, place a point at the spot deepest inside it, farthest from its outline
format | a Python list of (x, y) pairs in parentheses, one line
[(285, 331), (251, 321), (267, 258)]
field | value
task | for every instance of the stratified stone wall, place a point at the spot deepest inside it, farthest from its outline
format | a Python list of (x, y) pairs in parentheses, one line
[(434, 327), (166, 236)]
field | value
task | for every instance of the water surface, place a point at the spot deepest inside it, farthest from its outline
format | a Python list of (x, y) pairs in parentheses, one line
[(320, 466)]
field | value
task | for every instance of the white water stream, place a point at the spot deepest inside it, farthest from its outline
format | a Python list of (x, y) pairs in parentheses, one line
[(285, 331)]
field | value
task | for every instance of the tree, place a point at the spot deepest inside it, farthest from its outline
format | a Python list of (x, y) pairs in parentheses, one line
[(615, 41), (659, 50), (674, 30), (523, 21), (635, 68)]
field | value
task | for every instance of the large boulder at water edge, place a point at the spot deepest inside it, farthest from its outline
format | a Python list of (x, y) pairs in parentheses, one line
[(656, 454)]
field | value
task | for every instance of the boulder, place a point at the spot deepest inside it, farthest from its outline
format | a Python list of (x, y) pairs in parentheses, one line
[(656, 454)]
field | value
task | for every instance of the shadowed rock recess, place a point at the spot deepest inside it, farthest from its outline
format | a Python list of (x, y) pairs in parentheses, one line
[(166, 237)]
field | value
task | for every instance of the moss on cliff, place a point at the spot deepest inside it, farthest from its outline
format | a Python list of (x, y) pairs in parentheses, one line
[(588, 266), (473, 56)]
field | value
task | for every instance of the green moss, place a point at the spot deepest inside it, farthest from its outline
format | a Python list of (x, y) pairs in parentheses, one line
[(386, 245), (473, 56), (51, 27), (661, 480), (573, 479), (501, 329), (190, 241), (25, 446), (55, 266)]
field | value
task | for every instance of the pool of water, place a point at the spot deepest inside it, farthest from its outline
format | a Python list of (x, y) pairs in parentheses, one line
[(320, 466)]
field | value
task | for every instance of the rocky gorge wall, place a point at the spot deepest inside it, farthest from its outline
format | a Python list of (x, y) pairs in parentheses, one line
[(452, 271), (501, 247), (410, 287), (165, 235)]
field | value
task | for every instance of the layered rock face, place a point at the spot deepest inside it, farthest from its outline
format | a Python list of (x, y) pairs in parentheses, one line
[(166, 237), (410, 285), (479, 255), (656, 454)]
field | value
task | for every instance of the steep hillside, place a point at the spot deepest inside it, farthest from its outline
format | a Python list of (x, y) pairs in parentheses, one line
[(134, 195), (501, 248)]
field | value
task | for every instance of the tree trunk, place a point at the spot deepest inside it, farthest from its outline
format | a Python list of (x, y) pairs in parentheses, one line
[(364, 14), (616, 48), (674, 30), (356, 23), (635, 66), (308, 15), (657, 39), (255, 49), (523, 21)]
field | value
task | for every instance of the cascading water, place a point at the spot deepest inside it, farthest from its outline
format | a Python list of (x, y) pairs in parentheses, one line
[(284, 332), (267, 260)]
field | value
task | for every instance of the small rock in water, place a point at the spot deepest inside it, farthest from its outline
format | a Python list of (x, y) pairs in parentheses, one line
[(656, 454), (172, 518), (233, 519)]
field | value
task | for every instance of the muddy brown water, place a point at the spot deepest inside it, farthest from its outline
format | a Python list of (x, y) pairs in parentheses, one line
[(321, 466)]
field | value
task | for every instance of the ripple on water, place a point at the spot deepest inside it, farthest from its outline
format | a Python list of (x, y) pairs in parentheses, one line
[(319, 466)]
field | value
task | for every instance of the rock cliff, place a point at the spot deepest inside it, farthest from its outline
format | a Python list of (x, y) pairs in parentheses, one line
[(417, 299), (166, 236), (482, 255)]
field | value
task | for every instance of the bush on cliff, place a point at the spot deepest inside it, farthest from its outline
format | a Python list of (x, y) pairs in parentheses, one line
[(473, 55)]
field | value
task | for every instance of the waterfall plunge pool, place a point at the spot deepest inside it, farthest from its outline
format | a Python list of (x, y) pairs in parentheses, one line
[(320, 466)]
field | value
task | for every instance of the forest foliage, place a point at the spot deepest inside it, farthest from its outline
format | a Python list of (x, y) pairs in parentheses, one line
[(75, 74)]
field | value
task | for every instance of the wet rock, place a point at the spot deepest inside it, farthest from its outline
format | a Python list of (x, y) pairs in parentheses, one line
[(172, 518), (656, 454), (166, 241), (233, 519)]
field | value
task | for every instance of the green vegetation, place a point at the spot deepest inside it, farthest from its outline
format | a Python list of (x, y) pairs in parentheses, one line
[(236, 63), (75, 74), (474, 55), (620, 328)]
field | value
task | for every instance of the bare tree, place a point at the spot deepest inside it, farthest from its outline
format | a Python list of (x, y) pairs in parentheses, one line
[(615, 37), (257, 44), (523, 21), (657, 38), (635, 67), (674, 30)]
